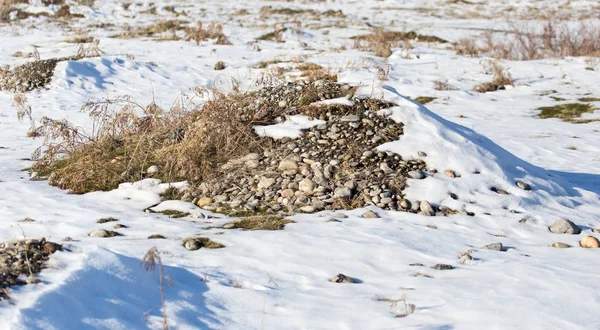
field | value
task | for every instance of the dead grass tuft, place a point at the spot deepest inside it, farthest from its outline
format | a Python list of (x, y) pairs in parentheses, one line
[(439, 85), (528, 42), (381, 42), (312, 72), (213, 31), (260, 222), (501, 77)]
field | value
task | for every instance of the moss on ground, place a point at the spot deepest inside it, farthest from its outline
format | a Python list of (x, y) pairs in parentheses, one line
[(567, 112)]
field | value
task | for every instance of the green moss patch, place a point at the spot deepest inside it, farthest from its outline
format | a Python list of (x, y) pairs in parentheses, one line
[(566, 112)]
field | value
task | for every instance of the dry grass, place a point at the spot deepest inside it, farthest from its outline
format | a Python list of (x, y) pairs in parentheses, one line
[(381, 42), (260, 222), (213, 31), (150, 260), (311, 72), (24, 111), (525, 42), (501, 77), (439, 85), (400, 307)]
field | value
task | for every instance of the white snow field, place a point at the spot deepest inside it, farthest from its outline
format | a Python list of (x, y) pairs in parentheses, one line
[(280, 279)]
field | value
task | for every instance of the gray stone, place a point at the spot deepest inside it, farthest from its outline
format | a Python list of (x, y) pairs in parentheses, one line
[(370, 215), (494, 247), (99, 233), (341, 278), (426, 208), (342, 192), (418, 175), (405, 204), (153, 169), (308, 209), (564, 226), (523, 185), (443, 267), (306, 185), (350, 118), (265, 183), (288, 165)]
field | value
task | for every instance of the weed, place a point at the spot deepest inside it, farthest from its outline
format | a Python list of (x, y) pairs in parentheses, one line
[(151, 259), (501, 77), (439, 85), (406, 309), (213, 31)]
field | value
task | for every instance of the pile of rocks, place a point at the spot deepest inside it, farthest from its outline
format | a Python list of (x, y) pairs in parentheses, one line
[(331, 166), (28, 76), (23, 257)]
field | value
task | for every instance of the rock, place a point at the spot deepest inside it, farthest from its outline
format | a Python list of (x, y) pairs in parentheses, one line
[(342, 192), (306, 186), (103, 233), (370, 215), (287, 193), (153, 169), (422, 154), (417, 175), (523, 185), (450, 173), (192, 244), (560, 245), (494, 247), (204, 201), (350, 118), (341, 278), (265, 183), (590, 242), (405, 204), (443, 267), (119, 226), (308, 209), (563, 226), (288, 165), (426, 209)]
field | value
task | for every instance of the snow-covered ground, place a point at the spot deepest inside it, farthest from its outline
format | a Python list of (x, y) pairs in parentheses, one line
[(280, 279)]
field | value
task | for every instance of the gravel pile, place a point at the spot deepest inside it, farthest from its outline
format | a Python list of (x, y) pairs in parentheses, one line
[(21, 259), (331, 166)]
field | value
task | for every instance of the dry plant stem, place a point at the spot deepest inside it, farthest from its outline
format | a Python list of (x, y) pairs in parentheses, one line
[(151, 258)]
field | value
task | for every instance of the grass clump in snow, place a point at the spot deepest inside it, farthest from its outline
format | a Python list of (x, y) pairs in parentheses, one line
[(567, 112), (425, 99), (213, 31), (525, 42), (261, 222), (501, 77), (174, 214), (195, 243), (381, 42), (105, 220), (171, 193), (312, 72), (589, 99)]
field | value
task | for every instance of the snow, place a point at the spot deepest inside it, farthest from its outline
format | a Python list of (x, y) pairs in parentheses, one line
[(279, 280), (291, 127)]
